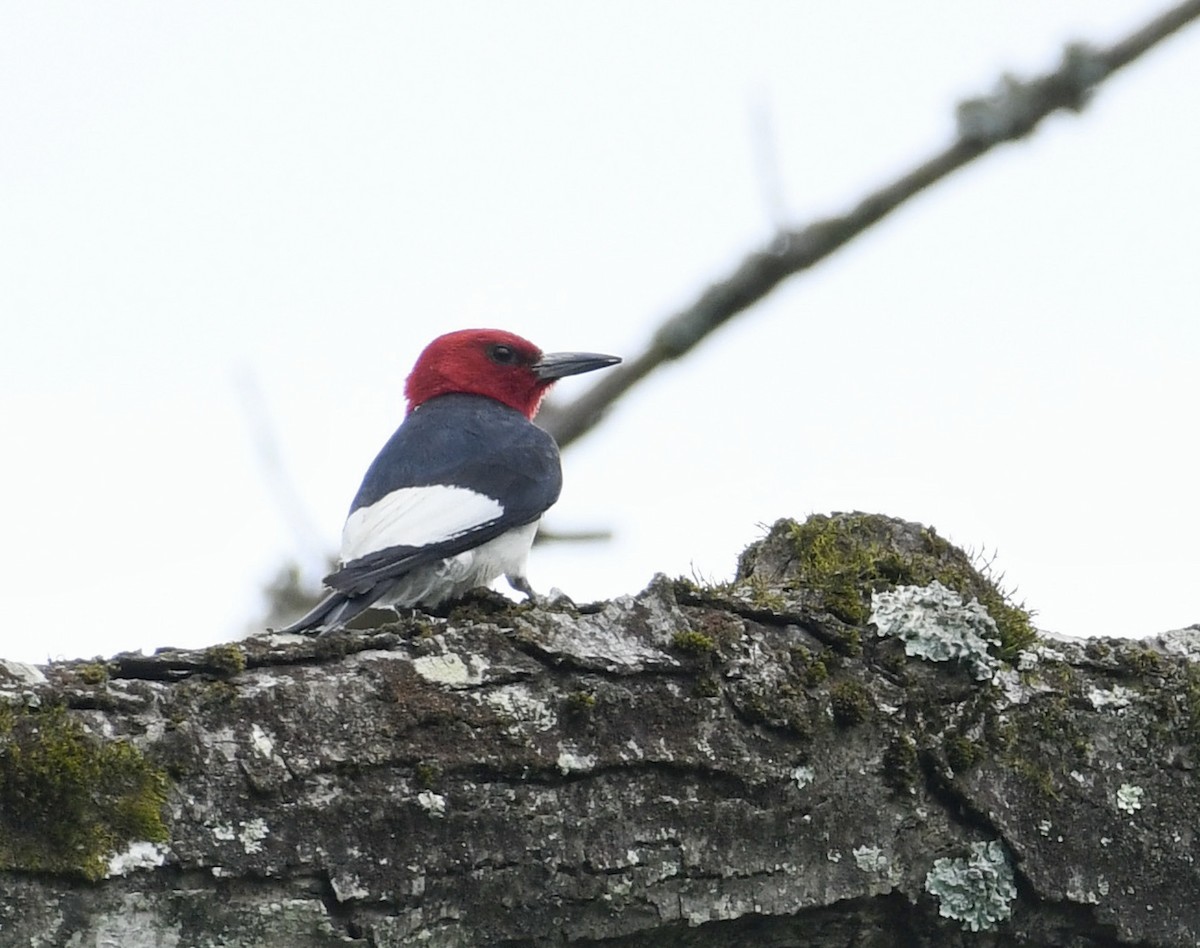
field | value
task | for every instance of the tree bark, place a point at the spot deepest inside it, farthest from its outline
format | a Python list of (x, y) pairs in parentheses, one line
[(856, 742)]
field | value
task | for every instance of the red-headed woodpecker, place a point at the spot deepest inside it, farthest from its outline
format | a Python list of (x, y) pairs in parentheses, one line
[(453, 500)]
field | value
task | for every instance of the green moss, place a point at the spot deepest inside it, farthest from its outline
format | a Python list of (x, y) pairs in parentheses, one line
[(68, 800), (762, 594), (850, 703), (216, 694), (422, 628), (962, 754), (227, 659), (94, 674), (693, 642), (427, 774), (1097, 650), (1000, 735), (847, 557), (689, 590), (899, 764), (1037, 776), (724, 629), (838, 562), (334, 646), (706, 687), (485, 605), (810, 667), (849, 641), (786, 710), (893, 660), (1013, 623), (1046, 739), (579, 703), (798, 725), (1144, 662)]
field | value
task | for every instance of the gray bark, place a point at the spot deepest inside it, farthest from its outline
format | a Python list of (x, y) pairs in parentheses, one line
[(752, 764)]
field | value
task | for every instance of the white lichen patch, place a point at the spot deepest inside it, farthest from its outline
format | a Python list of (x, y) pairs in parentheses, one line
[(871, 859), (432, 803), (803, 775), (570, 762), (274, 639), (1079, 889), (323, 790), (24, 673), (261, 742), (225, 743), (1185, 642), (977, 891), (1030, 658), (347, 887), (134, 920), (139, 855), (251, 834), (1116, 697), (519, 702), (1129, 797), (260, 681), (1012, 686), (606, 640), (450, 670), (935, 624)]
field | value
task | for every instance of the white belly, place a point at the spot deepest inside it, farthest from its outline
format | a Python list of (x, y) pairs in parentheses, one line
[(452, 577)]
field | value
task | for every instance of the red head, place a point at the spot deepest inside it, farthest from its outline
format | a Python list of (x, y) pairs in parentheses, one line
[(494, 363)]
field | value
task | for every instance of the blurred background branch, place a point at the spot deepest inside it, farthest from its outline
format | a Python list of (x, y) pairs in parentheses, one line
[(1012, 111)]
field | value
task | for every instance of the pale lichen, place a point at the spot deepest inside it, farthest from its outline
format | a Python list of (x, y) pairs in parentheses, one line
[(570, 762), (976, 891), (450, 670), (1129, 798), (432, 803), (140, 854), (803, 775), (935, 624)]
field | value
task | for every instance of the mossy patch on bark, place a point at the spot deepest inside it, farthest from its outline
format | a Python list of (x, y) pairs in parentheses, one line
[(70, 800)]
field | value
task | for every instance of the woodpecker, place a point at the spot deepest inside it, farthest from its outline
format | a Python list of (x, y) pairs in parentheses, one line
[(453, 500)]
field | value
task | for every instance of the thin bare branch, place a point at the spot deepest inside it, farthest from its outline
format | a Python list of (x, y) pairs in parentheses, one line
[(1009, 113)]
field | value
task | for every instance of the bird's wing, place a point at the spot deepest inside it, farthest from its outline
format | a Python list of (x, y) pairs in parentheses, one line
[(363, 575), (416, 517), (459, 472)]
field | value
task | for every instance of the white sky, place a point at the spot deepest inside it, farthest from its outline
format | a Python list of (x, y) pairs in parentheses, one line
[(305, 193)]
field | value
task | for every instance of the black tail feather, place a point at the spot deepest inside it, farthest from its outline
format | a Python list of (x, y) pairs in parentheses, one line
[(331, 613)]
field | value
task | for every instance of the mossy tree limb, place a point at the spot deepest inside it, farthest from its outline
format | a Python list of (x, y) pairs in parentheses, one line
[(752, 763)]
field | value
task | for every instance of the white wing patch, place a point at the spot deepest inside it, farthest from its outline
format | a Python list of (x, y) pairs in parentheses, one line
[(435, 583), (415, 516)]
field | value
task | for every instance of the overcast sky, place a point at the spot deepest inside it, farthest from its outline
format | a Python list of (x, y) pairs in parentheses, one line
[(203, 201)]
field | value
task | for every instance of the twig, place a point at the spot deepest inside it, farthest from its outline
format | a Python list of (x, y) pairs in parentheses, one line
[(1011, 112), (278, 482)]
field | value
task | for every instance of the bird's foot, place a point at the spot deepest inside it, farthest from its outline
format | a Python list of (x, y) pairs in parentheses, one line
[(521, 585)]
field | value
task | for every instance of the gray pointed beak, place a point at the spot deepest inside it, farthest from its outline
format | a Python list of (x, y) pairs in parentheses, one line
[(556, 365)]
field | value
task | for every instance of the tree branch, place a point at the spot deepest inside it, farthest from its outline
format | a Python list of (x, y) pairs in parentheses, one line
[(858, 740), (1011, 112)]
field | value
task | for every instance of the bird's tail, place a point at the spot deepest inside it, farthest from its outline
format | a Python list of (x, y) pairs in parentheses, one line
[(331, 613)]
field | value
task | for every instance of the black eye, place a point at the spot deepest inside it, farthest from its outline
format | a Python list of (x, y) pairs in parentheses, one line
[(502, 355)]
